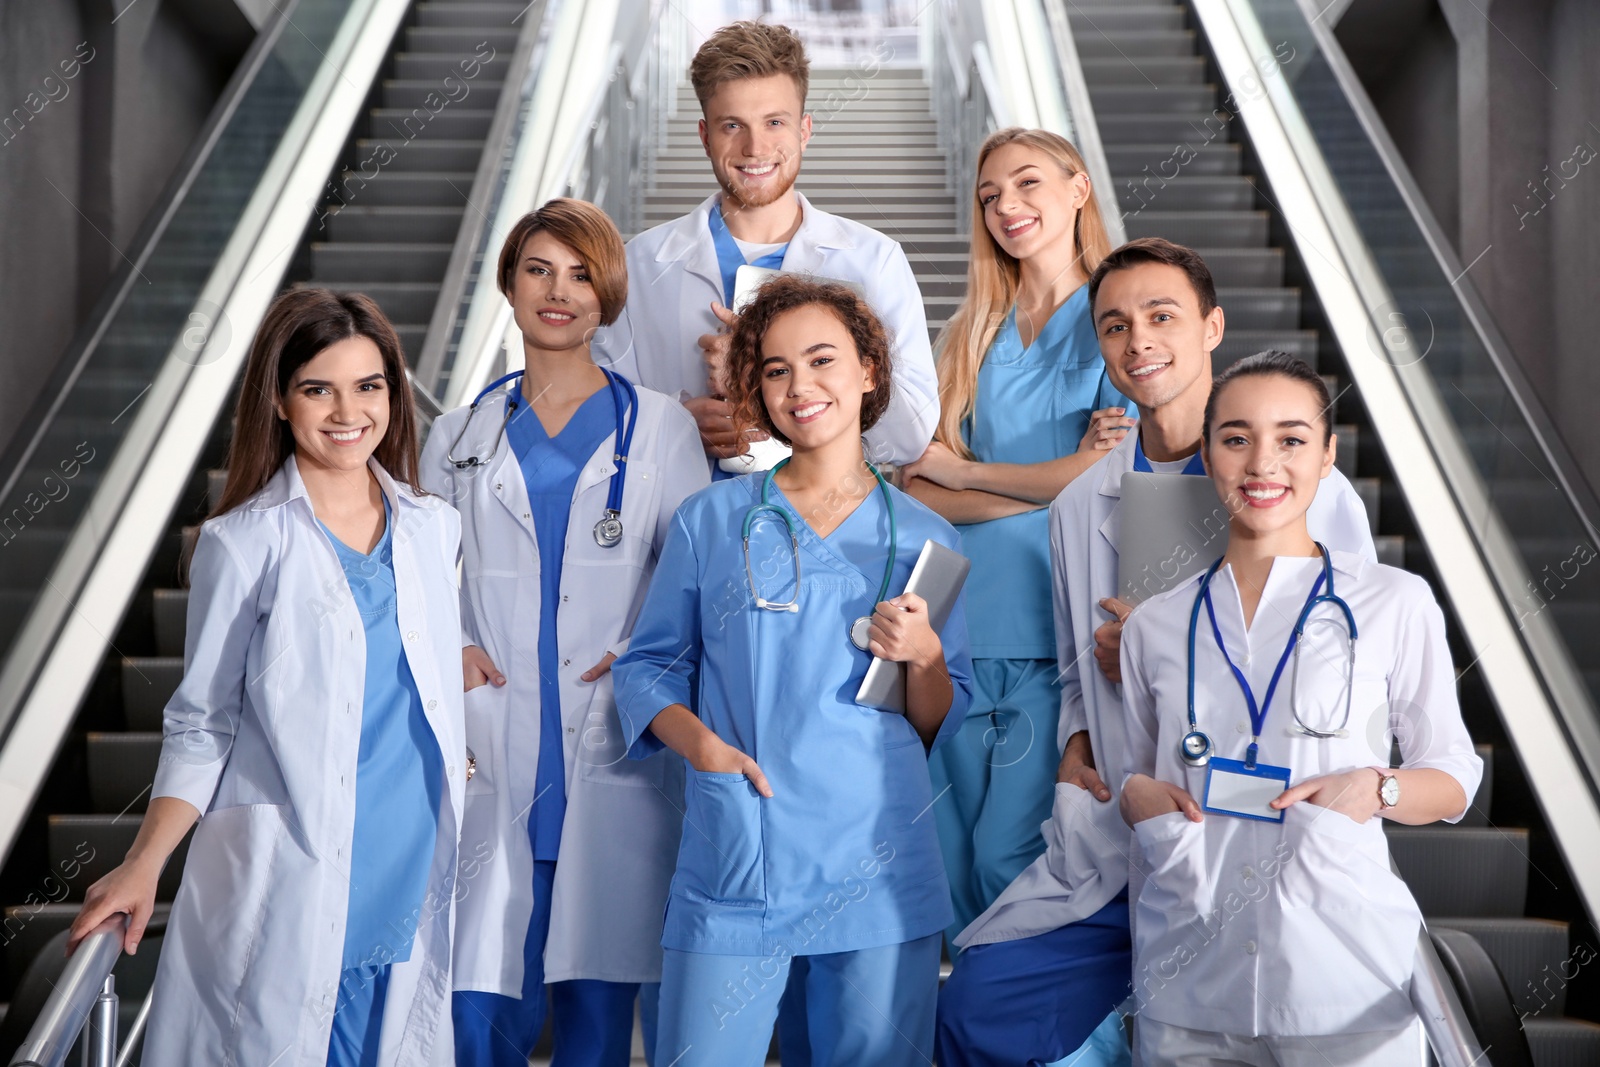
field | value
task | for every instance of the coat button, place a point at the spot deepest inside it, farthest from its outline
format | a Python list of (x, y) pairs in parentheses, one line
[(566, 663), (570, 729), (497, 486), (527, 515), (1249, 872), (564, 598), (450, 770), (1249, 948), (432, 704), (412, 636)]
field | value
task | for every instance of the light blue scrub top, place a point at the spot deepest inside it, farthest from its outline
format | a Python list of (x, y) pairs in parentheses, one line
[(550, 467), (844, 856), (399, 774), (730, 257), (1033, 405)]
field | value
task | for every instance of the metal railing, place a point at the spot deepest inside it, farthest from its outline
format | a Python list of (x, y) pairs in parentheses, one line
[(605, 92), (84, 1001)]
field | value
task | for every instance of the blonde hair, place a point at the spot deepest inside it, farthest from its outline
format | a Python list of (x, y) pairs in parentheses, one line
[(992, 278), (749, 50)]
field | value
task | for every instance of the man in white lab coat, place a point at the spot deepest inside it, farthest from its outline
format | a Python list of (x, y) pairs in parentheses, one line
[(1157, 319), (751, 81)]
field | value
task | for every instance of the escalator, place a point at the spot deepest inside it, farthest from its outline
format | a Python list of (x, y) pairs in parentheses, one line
[(1184, 167)]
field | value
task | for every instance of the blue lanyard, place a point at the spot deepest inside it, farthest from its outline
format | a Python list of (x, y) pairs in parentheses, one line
[(730, 259), (1258, 715), (1195, 465)]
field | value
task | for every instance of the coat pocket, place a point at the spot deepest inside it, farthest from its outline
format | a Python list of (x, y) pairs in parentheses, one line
[(483, 713), (602, 752), (721, 860), (226, 886)]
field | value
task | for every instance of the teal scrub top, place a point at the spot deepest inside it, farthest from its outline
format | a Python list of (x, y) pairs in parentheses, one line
[(844, 855), (1033, 405), (399, 775)]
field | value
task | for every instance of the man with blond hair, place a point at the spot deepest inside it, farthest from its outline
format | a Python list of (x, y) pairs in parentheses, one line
[(751, 80)]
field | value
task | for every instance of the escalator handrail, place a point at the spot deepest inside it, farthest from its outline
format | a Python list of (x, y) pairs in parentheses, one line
[(1447, 498), (66, 1010), (472, 255), (57, 655), (1085, 133), (80, 350)]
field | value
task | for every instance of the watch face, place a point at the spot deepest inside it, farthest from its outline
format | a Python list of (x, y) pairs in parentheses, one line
[(1389, 791)]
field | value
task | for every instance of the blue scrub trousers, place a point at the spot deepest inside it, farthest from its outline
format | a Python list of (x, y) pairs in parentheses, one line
[(1037, 999), (871, 1006), (358, 1017), (593, 1020), (994, 782)]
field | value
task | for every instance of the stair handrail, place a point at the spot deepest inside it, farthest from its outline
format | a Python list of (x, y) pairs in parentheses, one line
[(596, 111), (85, 994), (473, 252), (1544, 705), (1438, 1005), (1085, 134), (59, 651)]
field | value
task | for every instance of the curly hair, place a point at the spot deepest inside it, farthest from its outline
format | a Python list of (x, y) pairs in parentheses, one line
[(785, 293)]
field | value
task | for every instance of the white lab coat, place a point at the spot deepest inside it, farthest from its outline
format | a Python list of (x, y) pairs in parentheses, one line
[(1087, 845), (619, 841), (1296, 928), (673, 277), (262, 736)]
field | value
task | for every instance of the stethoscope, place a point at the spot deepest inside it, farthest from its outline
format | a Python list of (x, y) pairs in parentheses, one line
[(608, 530), (860, 629), (1196, 747)]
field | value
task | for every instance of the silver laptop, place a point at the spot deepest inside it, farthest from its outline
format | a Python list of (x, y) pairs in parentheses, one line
[(937, 578), (1169, 528)]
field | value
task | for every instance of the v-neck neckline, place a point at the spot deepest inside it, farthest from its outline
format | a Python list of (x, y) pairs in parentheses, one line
[(555, 438)]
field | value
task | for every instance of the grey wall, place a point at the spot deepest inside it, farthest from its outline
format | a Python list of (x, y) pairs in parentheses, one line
[(78, 177), (1488, 100)]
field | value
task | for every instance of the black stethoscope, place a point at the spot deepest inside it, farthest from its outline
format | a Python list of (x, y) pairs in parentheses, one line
[(608, 530), (1196, 747)]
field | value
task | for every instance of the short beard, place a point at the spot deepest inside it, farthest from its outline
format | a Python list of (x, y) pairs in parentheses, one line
[(732, 197)]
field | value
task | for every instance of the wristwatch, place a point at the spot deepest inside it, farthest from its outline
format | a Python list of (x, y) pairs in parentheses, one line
[(1388, 789)]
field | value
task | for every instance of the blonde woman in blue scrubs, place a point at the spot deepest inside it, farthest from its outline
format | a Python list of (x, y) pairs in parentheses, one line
[(1025, 408)]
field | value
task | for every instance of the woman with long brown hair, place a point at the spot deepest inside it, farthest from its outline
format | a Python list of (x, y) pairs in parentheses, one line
[(1025, 407), (316, 734)]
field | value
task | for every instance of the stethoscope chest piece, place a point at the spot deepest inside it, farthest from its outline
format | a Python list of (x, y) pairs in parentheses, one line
[(861, 632), (1195, 748), (608, 530)]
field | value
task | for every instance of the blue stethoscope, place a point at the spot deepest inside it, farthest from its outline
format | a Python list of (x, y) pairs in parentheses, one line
[(608, 530), (861, 629), (1196, 747)]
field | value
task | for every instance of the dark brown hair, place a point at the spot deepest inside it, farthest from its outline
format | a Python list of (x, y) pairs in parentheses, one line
[(300, 325), (749, 50), (593, 238), (1271, 363), (788, 292), (1158, 250)]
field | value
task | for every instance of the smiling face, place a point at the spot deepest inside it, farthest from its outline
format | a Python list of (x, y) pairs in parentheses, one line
[(812, 377), (337, 406), (1266, 452), (555, 305), (1029, 203), (1155, 341), (754, 132)]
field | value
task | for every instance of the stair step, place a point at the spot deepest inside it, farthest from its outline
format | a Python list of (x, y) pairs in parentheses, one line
[(398, 224), (1175, 70), (468, 16), (1261, 309), (419, 124), (1148, 49), (437, 66), (1124, 18), (98, 843), (1238, 343), (121, 768), (1563, 1042), (1197, 193), (1529, 953), (1244, 267), (170, 608), (1168, 160), (435, 94), (1435, 861), (1192, 128), (408, 302), (404, 189), (1235, 229), (455, 40), (441, 154), (1114, 102), (379, 261), (148, 682)]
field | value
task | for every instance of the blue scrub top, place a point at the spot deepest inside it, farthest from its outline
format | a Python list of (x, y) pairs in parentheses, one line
[(399, 775), (550, 467), (845, 855), (1033, 405)]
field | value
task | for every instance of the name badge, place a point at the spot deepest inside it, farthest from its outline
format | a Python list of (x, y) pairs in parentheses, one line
[(1245, 792)]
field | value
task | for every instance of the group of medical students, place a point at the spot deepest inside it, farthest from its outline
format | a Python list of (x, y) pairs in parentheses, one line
[(558, 718)]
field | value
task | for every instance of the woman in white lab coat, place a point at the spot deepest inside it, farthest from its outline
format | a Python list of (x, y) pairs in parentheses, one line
[(1269, 928), (317, 731), (567, 847)]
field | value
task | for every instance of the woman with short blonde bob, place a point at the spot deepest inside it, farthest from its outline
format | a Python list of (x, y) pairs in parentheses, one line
[(317, 731), (566, 476), (1025, 407)]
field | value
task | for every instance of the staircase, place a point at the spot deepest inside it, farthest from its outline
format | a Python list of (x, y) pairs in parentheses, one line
[(1182, 169), (385, 228)]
